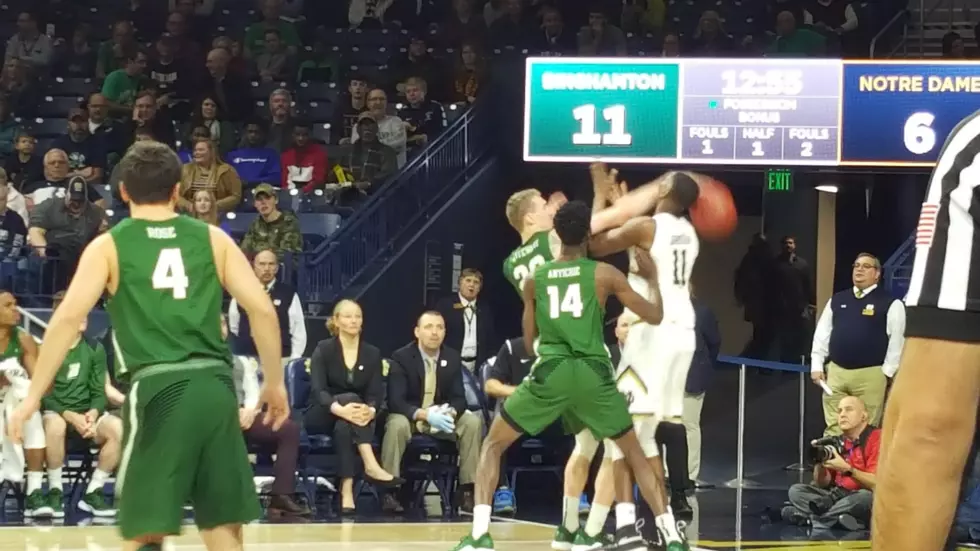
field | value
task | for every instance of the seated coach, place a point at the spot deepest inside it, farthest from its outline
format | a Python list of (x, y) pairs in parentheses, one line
[(425, 395)]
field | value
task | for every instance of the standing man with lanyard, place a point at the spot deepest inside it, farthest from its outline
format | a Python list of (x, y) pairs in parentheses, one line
[(469, 323)]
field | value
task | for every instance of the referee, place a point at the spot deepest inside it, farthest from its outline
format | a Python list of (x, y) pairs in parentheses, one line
[(931, 414)]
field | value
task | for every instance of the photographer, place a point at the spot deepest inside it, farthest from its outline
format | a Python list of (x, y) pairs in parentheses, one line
[(843, 477)]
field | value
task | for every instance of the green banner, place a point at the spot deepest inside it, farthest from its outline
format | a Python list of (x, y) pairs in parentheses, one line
[(580, 110)]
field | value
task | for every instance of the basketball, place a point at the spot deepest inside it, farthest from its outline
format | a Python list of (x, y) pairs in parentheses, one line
[(713, 214)]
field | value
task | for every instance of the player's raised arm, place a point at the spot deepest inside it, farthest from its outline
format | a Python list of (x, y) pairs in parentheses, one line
[(614, 282), (638, 202), (239, 279), (82, 295), (637, 231), (528, 325)]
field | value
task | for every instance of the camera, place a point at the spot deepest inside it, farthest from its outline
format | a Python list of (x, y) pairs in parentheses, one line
[(823, 449)]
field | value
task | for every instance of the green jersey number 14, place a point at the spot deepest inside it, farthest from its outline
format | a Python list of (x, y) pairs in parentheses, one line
[(571, 303), (169, 273)]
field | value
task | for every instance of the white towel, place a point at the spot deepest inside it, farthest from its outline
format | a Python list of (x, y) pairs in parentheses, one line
[(12, 455)]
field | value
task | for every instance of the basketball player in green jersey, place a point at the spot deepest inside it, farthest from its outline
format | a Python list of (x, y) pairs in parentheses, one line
[(164, 274), (564, 304)]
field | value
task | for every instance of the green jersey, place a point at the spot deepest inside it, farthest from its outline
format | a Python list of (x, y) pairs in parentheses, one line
[(527, 258), (14, 349), (80, 383), (167, 309), (567, 310)]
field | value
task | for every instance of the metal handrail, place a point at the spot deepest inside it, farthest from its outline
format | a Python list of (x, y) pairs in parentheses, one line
[(900, 16), (923, 15), (28, 318)]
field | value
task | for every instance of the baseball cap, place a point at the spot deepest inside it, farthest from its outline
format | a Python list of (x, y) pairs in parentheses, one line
[(77, 189), (264, 188), (77, 113)]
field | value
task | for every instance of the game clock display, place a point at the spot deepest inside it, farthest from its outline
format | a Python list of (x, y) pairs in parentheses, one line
[(745, 111)]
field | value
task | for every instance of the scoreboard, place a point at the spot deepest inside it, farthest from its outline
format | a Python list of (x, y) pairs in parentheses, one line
[(787, 112)]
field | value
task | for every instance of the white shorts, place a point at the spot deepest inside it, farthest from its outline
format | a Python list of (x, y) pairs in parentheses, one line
[(646, 432), (654, 366)]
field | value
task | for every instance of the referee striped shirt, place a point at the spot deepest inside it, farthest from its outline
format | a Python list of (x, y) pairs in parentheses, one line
[(944, 293)]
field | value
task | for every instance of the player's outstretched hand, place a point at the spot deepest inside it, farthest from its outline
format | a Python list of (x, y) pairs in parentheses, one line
[(20, 415), (645, 266), (277, 400)]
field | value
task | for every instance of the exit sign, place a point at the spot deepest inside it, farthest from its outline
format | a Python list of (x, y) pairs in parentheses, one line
[(779, 180)]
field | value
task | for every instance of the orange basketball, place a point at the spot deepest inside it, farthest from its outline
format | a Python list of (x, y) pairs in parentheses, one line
[(713, 214)]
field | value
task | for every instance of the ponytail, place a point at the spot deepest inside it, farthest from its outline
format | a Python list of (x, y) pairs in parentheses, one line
[(332, 327)]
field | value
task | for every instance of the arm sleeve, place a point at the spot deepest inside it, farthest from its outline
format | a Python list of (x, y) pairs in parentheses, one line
[(457, 393), (234, 197), (111, 88), (297, 328), (234, 318), (250, 382), (273, 170), (502, 370), (397, 388), (821, 339), (374, 392), (895, 327), (96, 383), (318, 378)]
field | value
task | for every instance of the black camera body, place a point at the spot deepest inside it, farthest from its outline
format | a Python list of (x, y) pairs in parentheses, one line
[(823, 449)]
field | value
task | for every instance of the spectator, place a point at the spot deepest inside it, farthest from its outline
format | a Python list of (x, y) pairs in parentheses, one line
[(9, 128), (186, 154), (463, 24), (147, 113), (470, 72), (953, 46), (553, 38), (23, 166), (13, 221), (167, 73), (281, 119), (710, 38), (365, 165), (208, 171), (643, 16), (74, 410), (253, 160), (86, 158), (600, 37), (236, 63), (350, 110), (62, 227), (793, 42), (831, 16), (112, 53), (861, 332), (698, 380), (796, 301), (512, 28), (275, 63), (283, 444), (197, 15), (55, 181), (756, 288), (672, 46), (841, 492), (208, 114), (347, 380), (304, 165), (391, 129), (469, 322), (424, 118), (76, 58), (426, 379), (320, 64), (292, 323), (367, 14), (204, 207), (28, 45), (418, 63), (255, 34), (18, 89), (227, 88), (187, 49), (273, 229), (105, 130), (148, 16), (122, 85)]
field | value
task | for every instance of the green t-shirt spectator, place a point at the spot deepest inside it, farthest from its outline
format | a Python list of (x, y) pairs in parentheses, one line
[(119, 87), (802, 43), (80, 383), (255, 36)]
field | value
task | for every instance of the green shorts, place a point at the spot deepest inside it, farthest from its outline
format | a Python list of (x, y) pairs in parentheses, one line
[(182, 443), (581, 391)]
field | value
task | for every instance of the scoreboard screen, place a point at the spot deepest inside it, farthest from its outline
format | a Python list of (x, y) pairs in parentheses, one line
[(787, 112)]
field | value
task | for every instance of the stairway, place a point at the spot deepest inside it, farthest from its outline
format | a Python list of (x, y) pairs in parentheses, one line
[(930, 21)]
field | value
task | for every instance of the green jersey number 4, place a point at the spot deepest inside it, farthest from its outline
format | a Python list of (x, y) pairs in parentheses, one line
[(571, 303), (169, 273)]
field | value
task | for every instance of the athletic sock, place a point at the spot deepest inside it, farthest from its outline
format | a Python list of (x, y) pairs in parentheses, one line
[(597, 520), (668, 527), (481, 520), (569, 513), (625, 514), (54, 479), (99, 478), (34, 481)]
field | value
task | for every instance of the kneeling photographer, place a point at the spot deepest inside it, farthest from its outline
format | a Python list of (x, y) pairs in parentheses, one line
[(843, 477)]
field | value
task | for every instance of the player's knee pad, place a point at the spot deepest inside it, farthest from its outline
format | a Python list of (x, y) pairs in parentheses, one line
[(34, 433), (585, 445)]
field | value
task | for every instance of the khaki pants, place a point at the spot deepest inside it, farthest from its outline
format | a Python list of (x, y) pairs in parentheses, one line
[(867, 383), (692, 426), (469, 437)]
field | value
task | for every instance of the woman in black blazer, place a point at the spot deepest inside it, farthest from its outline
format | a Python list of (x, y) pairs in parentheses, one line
[(348, 388)]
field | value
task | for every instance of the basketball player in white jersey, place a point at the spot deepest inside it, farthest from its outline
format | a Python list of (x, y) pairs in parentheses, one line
[(656, 359)]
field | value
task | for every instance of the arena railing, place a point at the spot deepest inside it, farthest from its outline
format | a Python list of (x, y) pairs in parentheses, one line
[(374, 233), (899, 21), (898, 268)]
